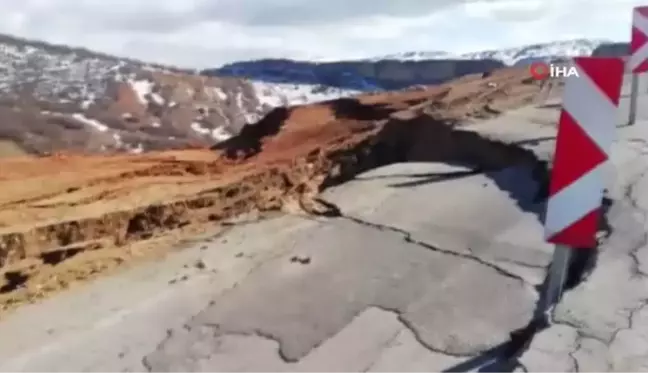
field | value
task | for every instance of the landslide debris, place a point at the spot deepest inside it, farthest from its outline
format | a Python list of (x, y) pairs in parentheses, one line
[(66, 218)]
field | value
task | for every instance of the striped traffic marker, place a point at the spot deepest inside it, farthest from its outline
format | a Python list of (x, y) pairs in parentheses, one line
[(585, 133), (638, 61)]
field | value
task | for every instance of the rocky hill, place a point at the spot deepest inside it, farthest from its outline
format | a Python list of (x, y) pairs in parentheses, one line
[(55, 98)]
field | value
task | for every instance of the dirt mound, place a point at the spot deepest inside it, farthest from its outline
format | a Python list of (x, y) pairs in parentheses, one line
[(66, 218)]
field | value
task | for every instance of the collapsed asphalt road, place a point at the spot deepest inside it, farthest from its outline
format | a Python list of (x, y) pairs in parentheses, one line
[(427, 267), (402, 272), (600, 325)]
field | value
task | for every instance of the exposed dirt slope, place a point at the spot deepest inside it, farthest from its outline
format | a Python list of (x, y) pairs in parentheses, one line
[(64, 219)]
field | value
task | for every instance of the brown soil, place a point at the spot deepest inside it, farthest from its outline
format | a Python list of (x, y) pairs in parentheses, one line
[(67, 218)]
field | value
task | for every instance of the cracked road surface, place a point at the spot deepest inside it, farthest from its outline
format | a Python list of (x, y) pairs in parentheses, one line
[(427, 267), (602, 325)]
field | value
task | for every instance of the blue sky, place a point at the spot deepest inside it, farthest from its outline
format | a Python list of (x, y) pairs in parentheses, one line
[(207, 33)]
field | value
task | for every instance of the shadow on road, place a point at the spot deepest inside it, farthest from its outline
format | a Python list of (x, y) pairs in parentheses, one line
[(503, 357), (435, 178), (550, 106), (529, 188), (450, 175), (535, 141), (514, 169)]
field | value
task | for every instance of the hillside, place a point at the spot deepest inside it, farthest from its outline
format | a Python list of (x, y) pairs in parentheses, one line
[(58, 98)]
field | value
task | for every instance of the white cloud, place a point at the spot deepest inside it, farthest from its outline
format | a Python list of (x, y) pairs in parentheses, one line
[(509, 10), (207, 33)]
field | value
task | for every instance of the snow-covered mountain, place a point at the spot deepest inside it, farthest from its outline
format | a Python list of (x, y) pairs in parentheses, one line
[(415, 56), (510, 56), (290, 94), (56, 98), (402, 70), (319, 76), (554, 50)]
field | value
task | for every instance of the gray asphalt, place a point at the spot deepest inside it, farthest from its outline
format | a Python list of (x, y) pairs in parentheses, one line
[(421, 273), (602, 325)]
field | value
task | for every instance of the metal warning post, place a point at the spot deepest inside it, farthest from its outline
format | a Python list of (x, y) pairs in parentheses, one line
[(638, 61), (585, 133)]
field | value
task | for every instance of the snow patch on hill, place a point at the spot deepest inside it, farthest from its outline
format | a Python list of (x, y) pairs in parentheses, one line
[(287, 94), (559, 49), (510, 56), (415, 56)]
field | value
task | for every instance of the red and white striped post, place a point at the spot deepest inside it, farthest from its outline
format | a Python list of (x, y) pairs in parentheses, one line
[(638, 61), (585, 133)]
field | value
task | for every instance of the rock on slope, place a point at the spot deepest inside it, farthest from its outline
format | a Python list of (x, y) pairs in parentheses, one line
[(66, 219), (55, 98)]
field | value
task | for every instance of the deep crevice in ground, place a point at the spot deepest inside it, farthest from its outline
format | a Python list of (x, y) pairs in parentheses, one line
[(429, 139), (505, 357), (500, 358), (581, 263), (335, 212)]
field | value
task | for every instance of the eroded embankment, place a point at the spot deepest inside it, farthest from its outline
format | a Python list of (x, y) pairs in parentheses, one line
[(92, 214)]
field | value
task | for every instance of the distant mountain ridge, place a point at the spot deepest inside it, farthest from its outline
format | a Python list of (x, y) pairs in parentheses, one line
[(402, 70), (56, 98), (360, 75), (511, 56)]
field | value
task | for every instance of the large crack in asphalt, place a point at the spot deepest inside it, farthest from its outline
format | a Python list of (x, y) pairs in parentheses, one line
[(629, 194), (581, 263), (335, 211), (505, 350), (505, 357)]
